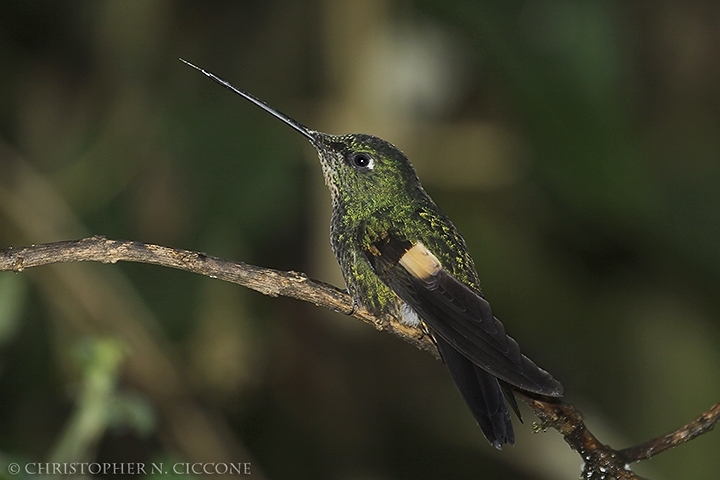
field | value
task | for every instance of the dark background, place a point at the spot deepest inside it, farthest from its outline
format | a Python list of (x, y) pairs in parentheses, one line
[(576, 145)]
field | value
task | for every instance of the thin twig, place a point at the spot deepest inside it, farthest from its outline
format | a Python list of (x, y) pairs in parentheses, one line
[(600, 460), (703, 424), (264, 280)]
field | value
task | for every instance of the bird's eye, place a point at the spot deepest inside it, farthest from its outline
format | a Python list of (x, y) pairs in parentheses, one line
[(362, 161)]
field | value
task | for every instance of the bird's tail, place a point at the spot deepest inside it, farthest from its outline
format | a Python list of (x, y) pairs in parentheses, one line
[(483, 394)]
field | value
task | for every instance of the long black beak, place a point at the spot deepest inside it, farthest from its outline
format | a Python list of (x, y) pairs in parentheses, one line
[(275, 113)]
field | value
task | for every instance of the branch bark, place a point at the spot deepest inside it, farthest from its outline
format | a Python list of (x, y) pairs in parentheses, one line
[(264, 280), (600, 460)]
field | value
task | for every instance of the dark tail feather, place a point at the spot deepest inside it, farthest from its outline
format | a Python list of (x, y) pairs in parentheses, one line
[(510, 397), (483, 395)]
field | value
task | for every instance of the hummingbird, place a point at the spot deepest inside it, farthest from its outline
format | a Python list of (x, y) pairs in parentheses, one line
[(400, 255)]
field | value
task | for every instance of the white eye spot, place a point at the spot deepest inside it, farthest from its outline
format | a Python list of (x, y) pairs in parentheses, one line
[(362, 161)]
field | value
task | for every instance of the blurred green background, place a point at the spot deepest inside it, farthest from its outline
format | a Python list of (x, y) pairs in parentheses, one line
[(576, 145)]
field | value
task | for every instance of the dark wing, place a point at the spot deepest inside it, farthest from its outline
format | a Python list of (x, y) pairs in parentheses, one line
[(456, 313)]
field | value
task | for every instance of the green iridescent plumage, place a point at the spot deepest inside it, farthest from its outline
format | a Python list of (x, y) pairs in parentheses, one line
[(386, 198), (400, 255)]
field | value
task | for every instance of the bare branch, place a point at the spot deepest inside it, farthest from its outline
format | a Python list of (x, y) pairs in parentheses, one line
[(264, 280), (703, 424), (600, 460)]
